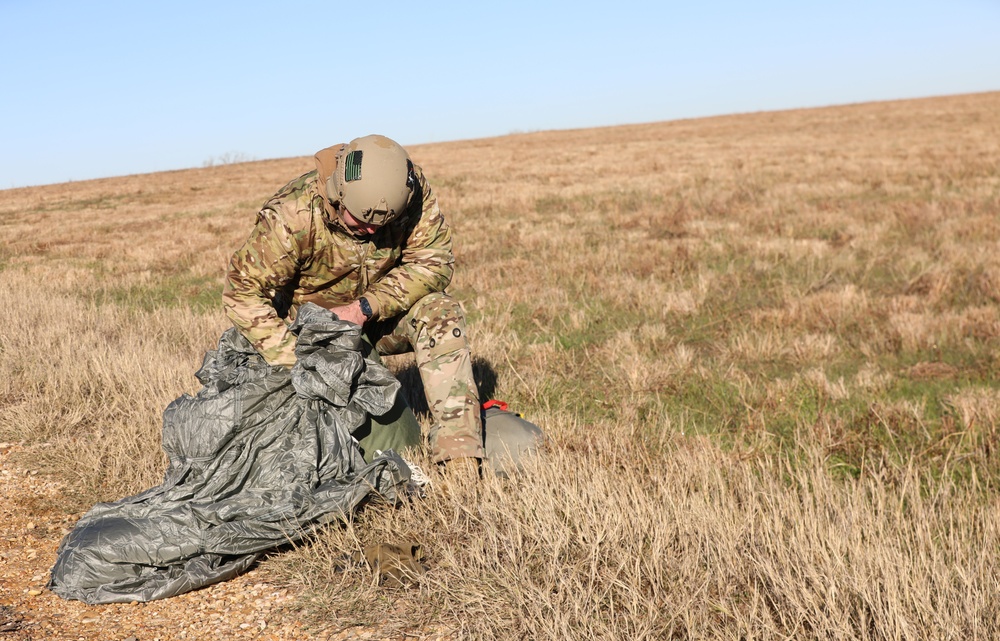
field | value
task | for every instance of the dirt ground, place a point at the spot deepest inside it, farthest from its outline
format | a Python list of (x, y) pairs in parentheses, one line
[(31, 526)]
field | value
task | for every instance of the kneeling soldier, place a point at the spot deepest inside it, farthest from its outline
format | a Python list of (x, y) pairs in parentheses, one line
[(362, 236)]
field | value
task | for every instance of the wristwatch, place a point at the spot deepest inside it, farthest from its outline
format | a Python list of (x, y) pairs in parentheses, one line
[(366, 308)]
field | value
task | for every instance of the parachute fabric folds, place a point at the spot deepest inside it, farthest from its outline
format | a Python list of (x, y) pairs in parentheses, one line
[(259, 457)]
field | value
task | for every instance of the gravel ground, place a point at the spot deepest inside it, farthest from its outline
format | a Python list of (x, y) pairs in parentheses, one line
[(248, 607)]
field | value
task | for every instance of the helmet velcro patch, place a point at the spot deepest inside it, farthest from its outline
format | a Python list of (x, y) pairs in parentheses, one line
[(352, 165)]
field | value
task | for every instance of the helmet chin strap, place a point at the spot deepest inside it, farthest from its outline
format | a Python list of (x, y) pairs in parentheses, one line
[(355, 226)]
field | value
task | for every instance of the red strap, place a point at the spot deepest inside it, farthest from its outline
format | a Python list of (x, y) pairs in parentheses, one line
[(495, 403)]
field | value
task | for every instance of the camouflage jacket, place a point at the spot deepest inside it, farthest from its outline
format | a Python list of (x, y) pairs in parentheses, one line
[(300, 250)]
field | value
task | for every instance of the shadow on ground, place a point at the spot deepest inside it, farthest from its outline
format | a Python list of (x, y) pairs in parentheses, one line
[(413, 388)]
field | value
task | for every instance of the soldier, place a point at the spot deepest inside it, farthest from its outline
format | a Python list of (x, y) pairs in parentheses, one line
[(362, 236)]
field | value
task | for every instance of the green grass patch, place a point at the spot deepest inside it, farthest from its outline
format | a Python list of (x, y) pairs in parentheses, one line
[(199, 293)]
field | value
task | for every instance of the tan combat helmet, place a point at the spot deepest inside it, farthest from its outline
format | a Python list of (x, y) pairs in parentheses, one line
[(374, 179)]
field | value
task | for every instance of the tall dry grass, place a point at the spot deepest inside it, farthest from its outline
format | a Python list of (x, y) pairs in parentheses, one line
[(693, 542), (764, 348)]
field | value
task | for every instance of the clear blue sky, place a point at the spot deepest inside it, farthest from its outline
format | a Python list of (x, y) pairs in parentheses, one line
[(106, 88)]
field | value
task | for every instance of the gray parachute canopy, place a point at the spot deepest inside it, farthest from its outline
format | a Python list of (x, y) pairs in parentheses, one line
[(259, 457)]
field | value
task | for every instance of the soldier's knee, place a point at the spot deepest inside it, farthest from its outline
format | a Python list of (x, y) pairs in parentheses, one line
[(436, 306), (438, 322)]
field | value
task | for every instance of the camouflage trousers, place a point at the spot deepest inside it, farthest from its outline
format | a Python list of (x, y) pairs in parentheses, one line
[(434, 328)]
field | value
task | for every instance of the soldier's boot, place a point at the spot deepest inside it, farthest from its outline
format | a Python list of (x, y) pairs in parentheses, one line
[(459, 478)]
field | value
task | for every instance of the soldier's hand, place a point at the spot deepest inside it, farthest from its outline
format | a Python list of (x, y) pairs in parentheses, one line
[(350, 313)]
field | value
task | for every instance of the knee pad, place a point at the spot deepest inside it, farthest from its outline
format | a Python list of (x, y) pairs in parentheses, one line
[(437, 325)]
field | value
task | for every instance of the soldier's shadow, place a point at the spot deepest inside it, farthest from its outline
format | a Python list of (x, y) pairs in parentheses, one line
[(413, 388)]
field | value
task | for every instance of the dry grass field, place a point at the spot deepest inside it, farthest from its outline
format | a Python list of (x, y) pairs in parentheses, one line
[(765, 348)]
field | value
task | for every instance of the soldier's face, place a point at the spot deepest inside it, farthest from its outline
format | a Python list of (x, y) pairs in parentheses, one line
[(357, 227)]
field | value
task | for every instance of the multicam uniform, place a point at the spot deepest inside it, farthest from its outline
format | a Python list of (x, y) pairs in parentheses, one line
[(301, 251)]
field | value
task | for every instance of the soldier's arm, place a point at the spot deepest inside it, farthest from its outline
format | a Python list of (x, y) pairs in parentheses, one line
[(268, 260), (426, 266)]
